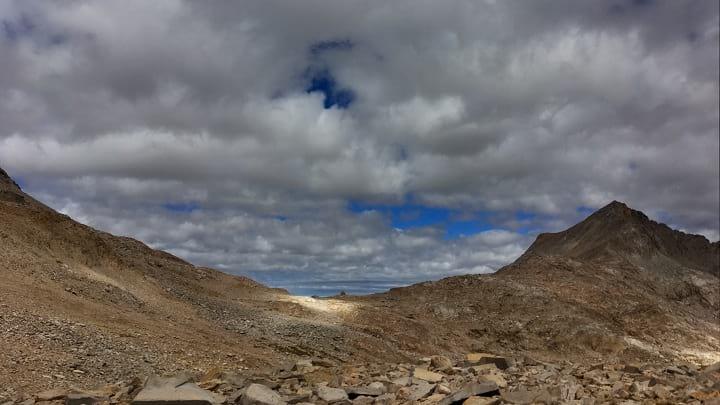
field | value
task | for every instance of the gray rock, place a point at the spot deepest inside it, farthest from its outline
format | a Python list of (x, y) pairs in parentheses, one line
[(420, 390), (79, 398), (402, 381), (257, 394), (51, 395), (170, 394), (487, 389), (156, 381), (331, 395), (385, 399), (378, 385), (365, 391), (523, 396), (427, 375), (440, 363)]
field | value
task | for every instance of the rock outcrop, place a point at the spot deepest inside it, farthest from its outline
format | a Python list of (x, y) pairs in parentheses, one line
[(527, 382), (618, 232)]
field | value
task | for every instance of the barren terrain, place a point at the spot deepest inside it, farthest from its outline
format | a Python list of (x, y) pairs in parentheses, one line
[(80, 308)]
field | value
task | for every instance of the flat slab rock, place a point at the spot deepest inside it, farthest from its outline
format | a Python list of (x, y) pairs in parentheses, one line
[(331, 395), (471, 390), (372, 390), (176, 390), (51, 395), (485, 358), (427, 375), (258, 394), (525, 396)]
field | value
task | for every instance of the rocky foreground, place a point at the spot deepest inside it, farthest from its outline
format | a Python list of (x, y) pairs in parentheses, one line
[(477, 379)]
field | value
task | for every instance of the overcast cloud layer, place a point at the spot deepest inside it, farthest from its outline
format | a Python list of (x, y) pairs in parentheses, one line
[(326, 145)]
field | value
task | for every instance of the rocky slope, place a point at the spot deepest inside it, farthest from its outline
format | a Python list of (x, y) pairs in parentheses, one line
[(615, 286), (82, 308), (79, 306), (617, 232)]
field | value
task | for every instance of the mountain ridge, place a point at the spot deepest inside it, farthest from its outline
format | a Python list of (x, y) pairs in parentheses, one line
[(75, 298), (617, 231)]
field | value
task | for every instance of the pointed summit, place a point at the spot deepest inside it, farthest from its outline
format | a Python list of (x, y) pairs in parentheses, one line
[(617, 231), (618, 210)]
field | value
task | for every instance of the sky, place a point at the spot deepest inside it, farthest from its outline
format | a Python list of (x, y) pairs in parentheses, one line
[(360, 145)]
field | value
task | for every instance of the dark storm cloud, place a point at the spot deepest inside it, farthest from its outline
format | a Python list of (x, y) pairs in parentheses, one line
[(266, 109)]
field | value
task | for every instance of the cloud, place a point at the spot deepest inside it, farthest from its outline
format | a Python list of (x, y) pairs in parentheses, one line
[(268, 119)]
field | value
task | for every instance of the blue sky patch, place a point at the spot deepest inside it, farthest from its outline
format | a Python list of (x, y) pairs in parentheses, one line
[(20, 181), (181, 207), (331, 45), (409, 215), (13, 30), (323, 81), (582, 210)]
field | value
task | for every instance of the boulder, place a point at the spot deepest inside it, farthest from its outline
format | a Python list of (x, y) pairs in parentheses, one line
[(331, 395), (484, 358), (51, 395), (257, 394), (385, 399), (496, 378), (525, 396), (440, 363), (366, 391), (427, 375), (185, 394), (486, 389), (420, 390), (81, 398), (177, 390), (378, 385)]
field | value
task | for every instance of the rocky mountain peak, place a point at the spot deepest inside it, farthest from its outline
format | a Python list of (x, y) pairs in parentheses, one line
[(618, 212), (618, 231)]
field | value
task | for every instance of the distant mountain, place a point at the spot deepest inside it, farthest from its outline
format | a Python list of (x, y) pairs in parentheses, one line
[(618, 232), (616, 285)]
